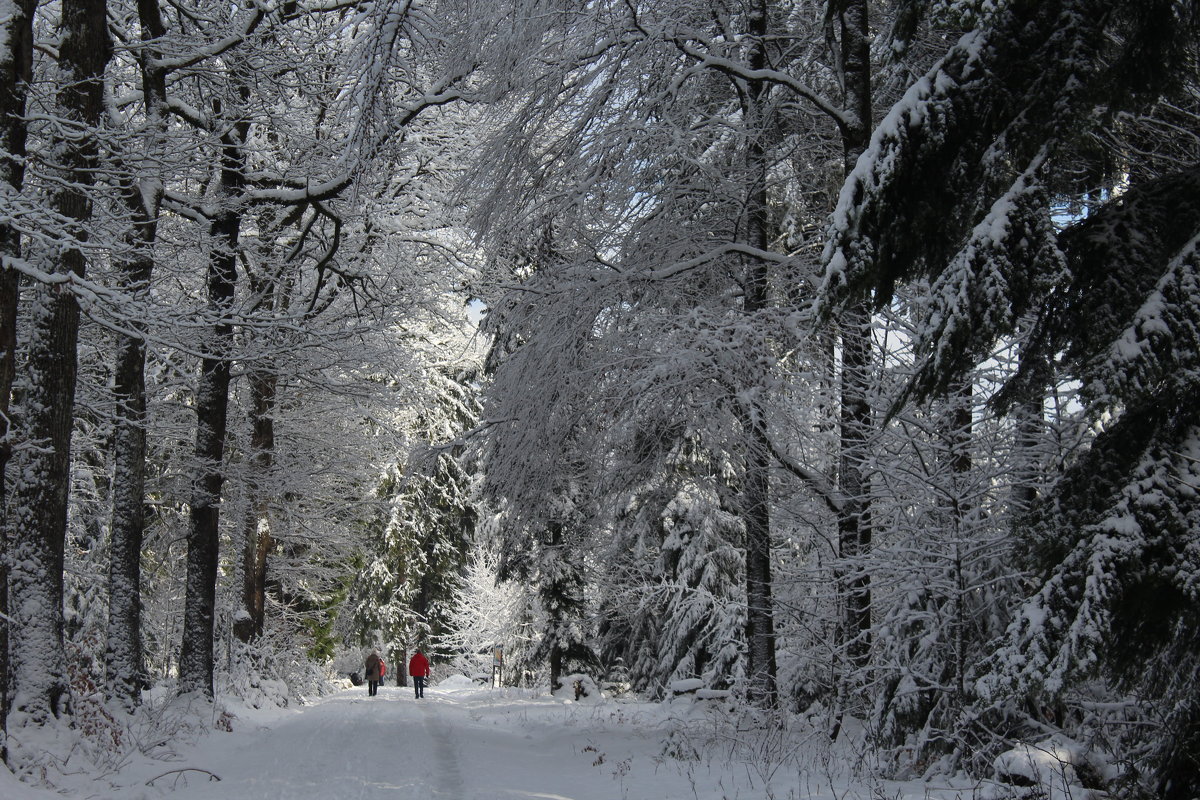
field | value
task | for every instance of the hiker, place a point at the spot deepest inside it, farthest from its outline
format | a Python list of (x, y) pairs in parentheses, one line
[(418, 668), (374, 671)]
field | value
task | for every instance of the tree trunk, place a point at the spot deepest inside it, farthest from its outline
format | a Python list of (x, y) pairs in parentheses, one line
[(258, 540), (123, 658), (1030, 418), (17, 31), (961, 425), (854, 523), (756, 500), (39, 508), (553, 601), (212, 403)]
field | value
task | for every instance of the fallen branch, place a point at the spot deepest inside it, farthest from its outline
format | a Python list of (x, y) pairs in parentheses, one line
[(212, 776)]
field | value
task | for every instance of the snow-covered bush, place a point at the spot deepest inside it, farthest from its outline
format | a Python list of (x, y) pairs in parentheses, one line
[(579, 688), (1054, 767), (487, 612)]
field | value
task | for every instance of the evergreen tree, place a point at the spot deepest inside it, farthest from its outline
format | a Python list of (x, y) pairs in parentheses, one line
[(958, 185), (417, 545), (704, 606), (557, 567), (673, 593)]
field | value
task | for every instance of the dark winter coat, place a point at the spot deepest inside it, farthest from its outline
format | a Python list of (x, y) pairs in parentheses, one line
[(374, 662), (418, 666)]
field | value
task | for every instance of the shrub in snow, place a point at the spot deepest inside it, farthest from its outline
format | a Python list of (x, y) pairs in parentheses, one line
[(685, 686), (693, 689), (579, 687), (1057, 765), (457, 682)]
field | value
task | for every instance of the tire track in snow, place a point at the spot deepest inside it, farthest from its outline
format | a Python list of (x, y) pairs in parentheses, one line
[(448, 778)]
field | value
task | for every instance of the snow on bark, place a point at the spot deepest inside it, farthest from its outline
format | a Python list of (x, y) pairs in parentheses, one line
[(15, 63), (212, 407), (196, 653), (39, 498)]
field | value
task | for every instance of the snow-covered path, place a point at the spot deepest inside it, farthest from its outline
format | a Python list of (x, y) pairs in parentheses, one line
[(464, 742), (472, 745), (346, 745)]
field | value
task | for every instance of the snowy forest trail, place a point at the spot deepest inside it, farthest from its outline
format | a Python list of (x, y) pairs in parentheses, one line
[(467, 742), (464, 745), (346, 745)]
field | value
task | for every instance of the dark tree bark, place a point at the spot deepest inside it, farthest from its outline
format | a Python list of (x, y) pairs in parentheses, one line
[(123, 657), (562, 598), (39, 507), (258, 539), (1031, 423), (961, 425), (17, 31), (854, 521), (755, 498), (212, 402)]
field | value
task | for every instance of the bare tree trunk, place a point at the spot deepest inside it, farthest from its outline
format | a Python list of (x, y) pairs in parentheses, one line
[(854, 522), (961, 428), (39, 509), (1030, 416), (196, 664), (17, 31), (554, 594), (258, 540), (123, 657), (756, 499)]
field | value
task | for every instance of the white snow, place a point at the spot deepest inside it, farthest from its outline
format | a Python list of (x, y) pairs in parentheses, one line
[(466, 742), (1051, 765), (686, 685)]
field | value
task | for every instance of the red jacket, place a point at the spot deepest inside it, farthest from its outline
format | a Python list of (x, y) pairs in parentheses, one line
[(418, 666)]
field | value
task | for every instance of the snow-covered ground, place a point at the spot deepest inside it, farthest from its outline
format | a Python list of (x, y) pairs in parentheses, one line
[(464, 742)]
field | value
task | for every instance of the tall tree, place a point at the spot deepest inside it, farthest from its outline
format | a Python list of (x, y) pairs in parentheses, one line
[(39, 499), (692, 239), (756, 494), (854, 327), (142, 191), (212, 403), (690, 232), (16, 61), (983, 140)]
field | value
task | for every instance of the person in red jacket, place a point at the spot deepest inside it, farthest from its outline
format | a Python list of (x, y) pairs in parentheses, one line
[(418, 668)]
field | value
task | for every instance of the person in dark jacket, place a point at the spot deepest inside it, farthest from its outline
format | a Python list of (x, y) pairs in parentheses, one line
[(374, 674), (418, 668)]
